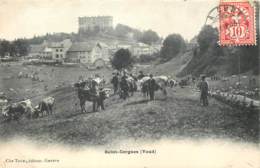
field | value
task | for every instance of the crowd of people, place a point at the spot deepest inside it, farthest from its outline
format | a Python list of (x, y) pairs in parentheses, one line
[(125, 84)]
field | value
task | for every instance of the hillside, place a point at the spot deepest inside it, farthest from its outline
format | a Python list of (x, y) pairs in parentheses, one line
[(205, 63), (121, 33), (210, 58), (177, 116), (172, 67), (223, 61)]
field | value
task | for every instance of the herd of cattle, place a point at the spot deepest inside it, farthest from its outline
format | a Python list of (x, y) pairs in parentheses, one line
[(25, 108), (17, 110), (34, 76), (85, 93)]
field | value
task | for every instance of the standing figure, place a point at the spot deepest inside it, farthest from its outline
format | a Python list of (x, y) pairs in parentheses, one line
[(115, 82), (132, 84), (151, 87), (124, 87), (95, 94), (141, 75), (101, 98), (204, 87)]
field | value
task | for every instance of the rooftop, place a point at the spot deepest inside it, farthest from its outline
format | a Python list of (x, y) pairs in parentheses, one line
[(81, 46)]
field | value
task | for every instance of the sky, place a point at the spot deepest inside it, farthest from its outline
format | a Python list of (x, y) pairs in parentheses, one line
[(26, 18)]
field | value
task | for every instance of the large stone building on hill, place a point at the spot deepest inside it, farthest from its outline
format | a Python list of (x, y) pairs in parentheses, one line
[(95, 22)]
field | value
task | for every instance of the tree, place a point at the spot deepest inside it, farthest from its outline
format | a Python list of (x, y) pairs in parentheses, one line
[(172, 45), (21, 47), (149, 37), (5, 47), (206, 37), (122, 59), (122, 30), (137, 34)]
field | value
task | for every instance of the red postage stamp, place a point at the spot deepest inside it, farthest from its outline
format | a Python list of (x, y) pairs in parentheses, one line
[(237, 23)]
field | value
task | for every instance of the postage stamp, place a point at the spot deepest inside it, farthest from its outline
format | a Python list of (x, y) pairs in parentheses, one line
[(237, 23)]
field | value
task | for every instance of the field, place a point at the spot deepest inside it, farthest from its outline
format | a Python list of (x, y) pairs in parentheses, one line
[(177, 116), (54, 77)]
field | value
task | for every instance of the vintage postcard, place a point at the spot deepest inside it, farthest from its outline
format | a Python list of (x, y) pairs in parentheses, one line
[(129, 84)]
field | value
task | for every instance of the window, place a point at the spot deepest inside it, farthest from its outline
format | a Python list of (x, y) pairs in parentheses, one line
[(57, 50), (60, 50), (57, 55)]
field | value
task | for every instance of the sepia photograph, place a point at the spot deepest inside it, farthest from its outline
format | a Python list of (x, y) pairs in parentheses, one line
[(129, 84)]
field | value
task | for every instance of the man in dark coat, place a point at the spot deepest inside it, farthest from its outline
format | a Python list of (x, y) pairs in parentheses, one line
[(124, 87), (115, 82), (94, 92), (102, 97), (151, 87), (204, 87)]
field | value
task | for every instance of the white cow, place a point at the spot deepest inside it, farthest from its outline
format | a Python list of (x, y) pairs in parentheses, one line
[(17, 110), (46, 105)]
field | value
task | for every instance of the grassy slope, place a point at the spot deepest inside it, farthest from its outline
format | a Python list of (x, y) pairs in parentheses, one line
[(178, 116), (172, 67)]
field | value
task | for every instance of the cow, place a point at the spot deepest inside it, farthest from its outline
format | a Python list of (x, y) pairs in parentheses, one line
[(141, 82), (145, 88), (171, 83), (100, 81), (16, 110), (87, 95), (20, 75), (103, 94), (161, 83), (3, 104), (46, 105), (184, 82), (132, 85)]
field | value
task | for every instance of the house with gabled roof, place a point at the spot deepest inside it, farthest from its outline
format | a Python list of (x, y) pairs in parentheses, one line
[(90, 53), (55, 51), (59, 49)]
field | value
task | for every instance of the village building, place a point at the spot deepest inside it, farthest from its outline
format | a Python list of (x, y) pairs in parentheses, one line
[(136, 49), (139, 49), (157, 46), (91, 53), (46, 53), (59, 50), (55, 51)]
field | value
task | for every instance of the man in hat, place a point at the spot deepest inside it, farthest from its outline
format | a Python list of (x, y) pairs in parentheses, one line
[(141, 75), (151, 87), (204, 87)]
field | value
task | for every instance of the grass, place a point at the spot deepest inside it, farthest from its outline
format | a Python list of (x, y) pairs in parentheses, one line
[(177, 116)]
